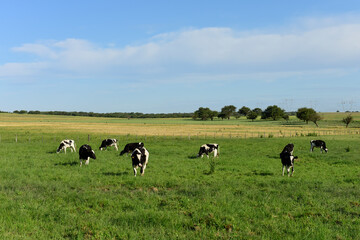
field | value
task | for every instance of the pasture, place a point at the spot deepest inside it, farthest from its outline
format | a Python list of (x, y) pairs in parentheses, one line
[(240, 195)]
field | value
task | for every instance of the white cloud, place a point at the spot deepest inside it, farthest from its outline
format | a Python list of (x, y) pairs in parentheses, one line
[(209, 51)]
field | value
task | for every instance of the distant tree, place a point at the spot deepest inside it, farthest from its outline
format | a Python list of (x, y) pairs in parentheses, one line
[(347, 120), (222, 116), (286, 117), (252, 115), (228, 111), (258, 111), (204, 114), (244, 111), (305, 114), (273, 112), (315, 117), (237, 115)]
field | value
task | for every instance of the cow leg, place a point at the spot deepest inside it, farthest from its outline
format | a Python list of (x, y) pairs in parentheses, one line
[(215, 153), (80, 162), (142, 170), (116, 147), (135, 167), (283, 170), (87, 161), (65, 150)]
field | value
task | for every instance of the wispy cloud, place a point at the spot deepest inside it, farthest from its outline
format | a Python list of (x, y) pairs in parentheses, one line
[(329, 46)]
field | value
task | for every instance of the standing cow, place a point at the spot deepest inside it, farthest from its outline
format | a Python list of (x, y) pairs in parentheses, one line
[(67, 143), (209, 148), (140, 157), (319, 144), (130, 147), (287, 159), (108, 143), (85, 153)]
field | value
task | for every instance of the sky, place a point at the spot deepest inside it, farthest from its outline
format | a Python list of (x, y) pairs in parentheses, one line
[(176, 56)]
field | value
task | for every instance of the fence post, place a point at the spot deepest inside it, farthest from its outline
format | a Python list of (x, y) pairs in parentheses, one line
[(15, 137)]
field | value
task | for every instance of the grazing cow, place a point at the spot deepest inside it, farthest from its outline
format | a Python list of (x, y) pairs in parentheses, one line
[(67, 143), (130, 147), (318, 143), (140, 157), (85, 153), (209, 148), (287, 160), (108, 143)]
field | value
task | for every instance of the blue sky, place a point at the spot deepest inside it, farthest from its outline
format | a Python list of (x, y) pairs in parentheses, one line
[(177, 56)]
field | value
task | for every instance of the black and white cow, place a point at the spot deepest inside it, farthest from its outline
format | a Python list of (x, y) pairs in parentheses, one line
[(288, 148), (85, 153), (209, 148), (108, 143), (67, 143), (319, 144), (130, 147), (287, 159), (140, 157)]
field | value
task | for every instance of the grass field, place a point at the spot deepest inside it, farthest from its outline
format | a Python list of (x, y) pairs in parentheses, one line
[(240, 195), (24, 124)]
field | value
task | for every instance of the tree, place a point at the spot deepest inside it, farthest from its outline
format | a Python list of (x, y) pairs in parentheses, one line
[(315, 117), (228, 111), (305, 114), (204, 114), (222, 116), (286, 117), (347, 120), (258, 111), (252, 115), (244, 111), (273, 112)]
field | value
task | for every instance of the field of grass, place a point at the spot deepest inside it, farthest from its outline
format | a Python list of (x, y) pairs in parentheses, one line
[(240, 195), (24, 124)]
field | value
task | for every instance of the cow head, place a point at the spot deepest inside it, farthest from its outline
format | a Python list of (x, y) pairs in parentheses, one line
[(92, 154)]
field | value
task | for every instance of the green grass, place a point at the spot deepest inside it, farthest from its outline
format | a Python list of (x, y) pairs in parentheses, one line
[(240, 195)]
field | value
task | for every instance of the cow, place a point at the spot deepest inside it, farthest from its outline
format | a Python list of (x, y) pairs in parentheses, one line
[(209, 148), (108, 143), (130, 147), (287, 159), (67, 143), (140, 157), (318, 143), (85, 153)]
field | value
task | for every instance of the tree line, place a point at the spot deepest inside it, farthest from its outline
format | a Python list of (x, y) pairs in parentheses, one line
[(110, 115), (271, 112)]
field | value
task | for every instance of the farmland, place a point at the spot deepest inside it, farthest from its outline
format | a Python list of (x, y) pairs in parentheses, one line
[(240, 195)]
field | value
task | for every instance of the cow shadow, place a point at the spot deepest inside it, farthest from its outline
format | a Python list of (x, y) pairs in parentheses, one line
[(67, 163), (192, 157), (273, 156), (116, 173)]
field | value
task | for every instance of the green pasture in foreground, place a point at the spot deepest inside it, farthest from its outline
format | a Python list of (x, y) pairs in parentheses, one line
[(240, 195)]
